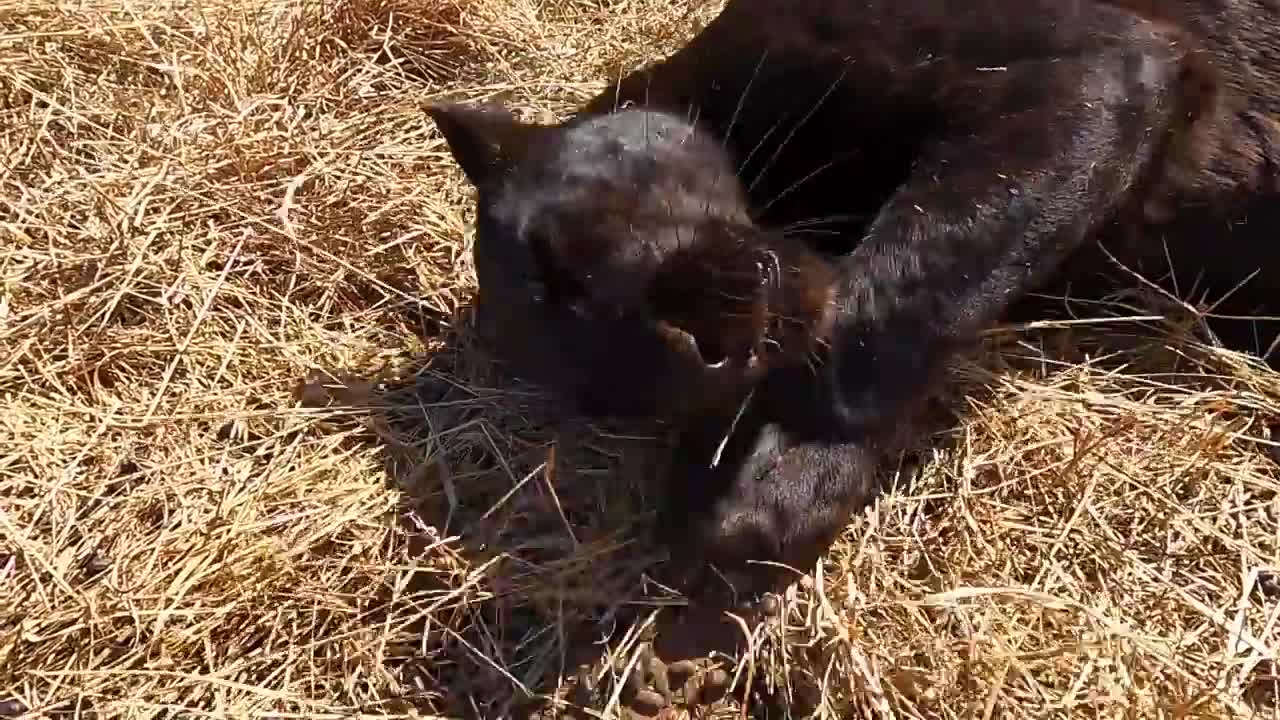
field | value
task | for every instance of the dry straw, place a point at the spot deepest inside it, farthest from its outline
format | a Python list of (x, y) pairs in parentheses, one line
[(251, 463)]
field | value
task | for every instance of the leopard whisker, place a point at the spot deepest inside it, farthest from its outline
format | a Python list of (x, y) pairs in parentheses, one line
[(724, 441)]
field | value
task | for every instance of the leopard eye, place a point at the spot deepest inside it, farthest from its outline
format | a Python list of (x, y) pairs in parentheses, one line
[(550, 280), (537, 289)]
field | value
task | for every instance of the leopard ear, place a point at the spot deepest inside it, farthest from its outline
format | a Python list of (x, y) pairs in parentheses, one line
[(485, 140)]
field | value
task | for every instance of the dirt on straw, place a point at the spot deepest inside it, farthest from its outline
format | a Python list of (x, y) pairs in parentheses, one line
[(252, 463)]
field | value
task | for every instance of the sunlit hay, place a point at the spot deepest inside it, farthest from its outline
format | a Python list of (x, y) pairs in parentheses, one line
[(252, 461)]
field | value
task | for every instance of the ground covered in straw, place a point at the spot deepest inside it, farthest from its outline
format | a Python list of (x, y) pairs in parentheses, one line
[(251, 463)]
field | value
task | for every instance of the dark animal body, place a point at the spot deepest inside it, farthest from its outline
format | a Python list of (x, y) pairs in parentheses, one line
[(782, 232)]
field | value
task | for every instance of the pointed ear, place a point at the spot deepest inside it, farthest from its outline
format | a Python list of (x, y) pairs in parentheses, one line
[(485, 140)]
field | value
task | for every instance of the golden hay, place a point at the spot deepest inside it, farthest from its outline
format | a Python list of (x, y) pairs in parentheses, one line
[(213, 211)]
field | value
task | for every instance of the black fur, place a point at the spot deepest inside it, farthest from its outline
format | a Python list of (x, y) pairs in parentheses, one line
[(948, 157)]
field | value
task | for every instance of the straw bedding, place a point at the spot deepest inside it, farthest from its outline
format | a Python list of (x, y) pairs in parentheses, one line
[(252, 462)]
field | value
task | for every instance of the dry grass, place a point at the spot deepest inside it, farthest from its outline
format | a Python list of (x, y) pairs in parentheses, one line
[(203, 204)]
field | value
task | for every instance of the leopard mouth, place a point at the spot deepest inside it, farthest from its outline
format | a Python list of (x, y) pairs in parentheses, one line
[(686, 345)]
